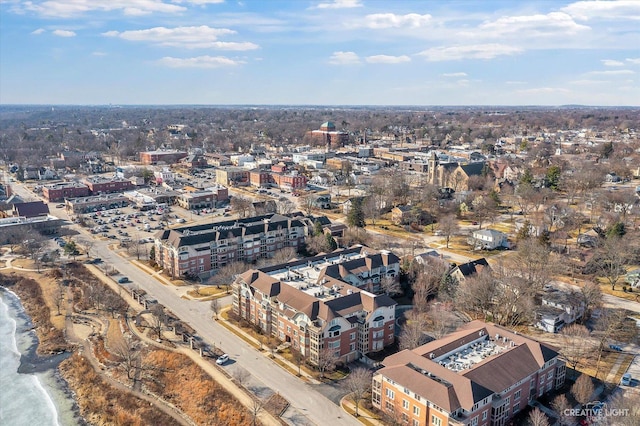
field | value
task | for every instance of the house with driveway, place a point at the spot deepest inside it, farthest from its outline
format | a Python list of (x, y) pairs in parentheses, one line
[(488, 239)]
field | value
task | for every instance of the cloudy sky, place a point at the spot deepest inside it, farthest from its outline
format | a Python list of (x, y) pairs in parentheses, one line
[(320, 52)]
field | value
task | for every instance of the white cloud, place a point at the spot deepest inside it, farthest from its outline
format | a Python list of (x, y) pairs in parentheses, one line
[(38, 31), (551, 24), (586, 82), (635, 61), (391, 20), (621, 9), (612, 72), (387, 59), (201, 37), (515, 82), (344, 58), (544, 90), (479, 51), (455, 74), (612, 63), (198, 2), (340, 4), (63, 33), (98, 53), (70, 8), (199, 62)]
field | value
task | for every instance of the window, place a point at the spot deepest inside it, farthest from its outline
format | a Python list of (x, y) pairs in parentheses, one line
[(485, 414), (516, 408), (391, 394), (516, 395), (474, 421), (389, 406), (416, 422), (416, 410), (549, 375), (405, 418), (507, 400), (436, 421), (352, 336), (405, 404)]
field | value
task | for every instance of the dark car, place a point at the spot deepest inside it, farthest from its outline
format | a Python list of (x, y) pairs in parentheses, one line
[(123, 280)]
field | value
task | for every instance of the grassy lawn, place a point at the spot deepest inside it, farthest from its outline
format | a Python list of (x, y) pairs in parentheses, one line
[(606, 289), (365, 416), (208, 293), (391, 229)]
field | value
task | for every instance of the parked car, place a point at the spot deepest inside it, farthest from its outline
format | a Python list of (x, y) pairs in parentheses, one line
[(615, 348), (626, 379), (222, 359), (123, 280)]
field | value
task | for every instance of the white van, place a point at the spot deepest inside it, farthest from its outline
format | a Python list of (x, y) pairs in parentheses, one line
[(626, 379)]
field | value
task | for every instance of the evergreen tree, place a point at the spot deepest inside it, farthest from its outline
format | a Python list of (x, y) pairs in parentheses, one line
[(355, 218), (317, 228), (616, 230), (527, 177), (331, 242), (553, 177)]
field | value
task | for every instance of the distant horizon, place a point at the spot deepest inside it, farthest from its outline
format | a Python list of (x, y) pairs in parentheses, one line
[(320, 52), (346, 106)]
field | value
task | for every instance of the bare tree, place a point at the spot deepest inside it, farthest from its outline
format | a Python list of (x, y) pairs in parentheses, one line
[(592, 298), (298, 359), (428, 282), (283, 255), (629, 404), (307, 203), (576, 344), (537, 418), (448, 226), (227, 274), (128, 352), (285, 207), (241, 375), (560, 404), (611, 322), (327, 360), (612, 258), (477, 294), (215, 308), (412, 333), (157, 319), (257, 405), (390, 285), (582, 389), (241, 205), (535, 264), (357, 384), (58, 297)]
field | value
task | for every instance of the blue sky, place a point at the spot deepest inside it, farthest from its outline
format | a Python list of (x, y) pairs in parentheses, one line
[(320, 52)]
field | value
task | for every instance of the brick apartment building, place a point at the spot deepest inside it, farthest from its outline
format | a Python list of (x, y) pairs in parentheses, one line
[(59, 191), (205, 248), (162, 157), (102, 185), (328, 135), (311, 303), (480, 375), (260, 178)]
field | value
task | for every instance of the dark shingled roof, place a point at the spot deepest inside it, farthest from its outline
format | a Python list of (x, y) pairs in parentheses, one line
[(31, 209), (473, 267)]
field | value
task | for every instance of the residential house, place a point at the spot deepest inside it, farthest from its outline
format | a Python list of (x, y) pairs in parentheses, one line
[(402, 215), (558, 308), (480, 375), (488, 239), (465, 270)]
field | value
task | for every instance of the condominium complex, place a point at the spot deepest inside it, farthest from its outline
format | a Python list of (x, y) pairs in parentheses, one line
[(318, 304), (204, 248), (480, 375)]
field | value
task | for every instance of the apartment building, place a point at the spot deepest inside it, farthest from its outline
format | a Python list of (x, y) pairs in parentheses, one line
[(232, 176), (210, 197), (480, 375), (206, 248), (318, 304)]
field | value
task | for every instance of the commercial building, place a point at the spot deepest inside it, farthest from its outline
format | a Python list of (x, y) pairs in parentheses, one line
[(162, 157), (328, 135), (314, 305), (232, 176), (10, 226), (59, 191), (101, 185), (480, 375), (198, 199), (94, 203), (204, 248)]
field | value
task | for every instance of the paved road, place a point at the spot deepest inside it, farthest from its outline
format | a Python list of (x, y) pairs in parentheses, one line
[(308, 407)]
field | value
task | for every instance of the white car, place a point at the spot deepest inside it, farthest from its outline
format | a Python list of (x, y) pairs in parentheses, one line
[(222, 359), (625, 381)]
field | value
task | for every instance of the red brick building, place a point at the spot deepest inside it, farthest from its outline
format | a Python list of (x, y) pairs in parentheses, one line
[(328, 135), (291, 180), (260, 178), (312, 304), (102, 185), (59, 191), (162, 157), (480, 375)]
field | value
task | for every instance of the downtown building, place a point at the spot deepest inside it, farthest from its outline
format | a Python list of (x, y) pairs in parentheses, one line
[(480, 375), (203, 249), (319, 305)]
